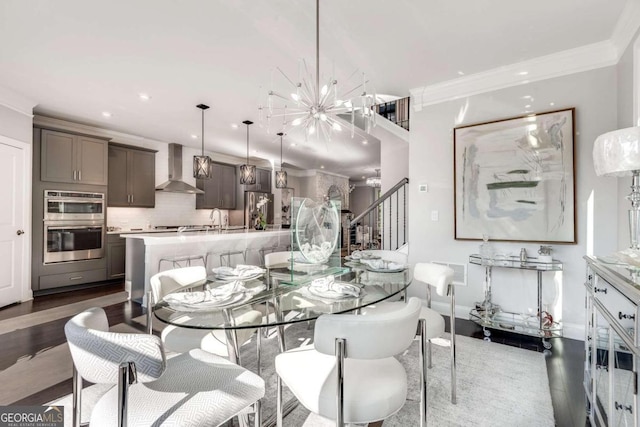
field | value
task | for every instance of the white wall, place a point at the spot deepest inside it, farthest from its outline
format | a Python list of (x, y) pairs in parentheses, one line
[(626, 92), (394, 159), (593, 94)]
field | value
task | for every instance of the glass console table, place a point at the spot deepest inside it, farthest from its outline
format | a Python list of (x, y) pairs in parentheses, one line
[(490, 316)]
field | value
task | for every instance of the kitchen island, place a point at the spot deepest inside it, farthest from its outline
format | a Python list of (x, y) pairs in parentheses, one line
[(144, 251)]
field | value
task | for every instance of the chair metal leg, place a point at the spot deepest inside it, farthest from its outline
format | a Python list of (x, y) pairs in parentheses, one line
[(77, 397), (422, 331), (429, 365), (150, 312), (279, 402), (126, 376), (452, 327), (257, 418), (340, 355)]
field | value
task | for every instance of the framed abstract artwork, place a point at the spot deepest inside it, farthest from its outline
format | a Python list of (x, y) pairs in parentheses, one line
[(514, 179)]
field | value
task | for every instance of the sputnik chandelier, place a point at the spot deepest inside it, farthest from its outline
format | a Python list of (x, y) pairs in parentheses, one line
[(315, 108)]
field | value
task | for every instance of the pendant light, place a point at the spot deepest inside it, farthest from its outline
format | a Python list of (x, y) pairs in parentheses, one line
[(202, 163), (247, 171), (281, 176)]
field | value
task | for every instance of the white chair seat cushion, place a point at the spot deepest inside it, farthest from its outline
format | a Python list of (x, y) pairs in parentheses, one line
[(434, 320), (197, 389), (379, 388), (181, 340)]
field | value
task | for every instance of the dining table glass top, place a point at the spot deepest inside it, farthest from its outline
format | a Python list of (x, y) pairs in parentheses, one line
[(284, 296)]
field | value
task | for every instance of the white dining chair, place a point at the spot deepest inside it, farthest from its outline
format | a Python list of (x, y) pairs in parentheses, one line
[(189, 389), (349, 373), (441, 278), (179, 339)]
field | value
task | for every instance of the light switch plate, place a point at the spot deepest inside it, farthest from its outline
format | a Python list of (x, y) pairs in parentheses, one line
[(423, 188), (434, 215)]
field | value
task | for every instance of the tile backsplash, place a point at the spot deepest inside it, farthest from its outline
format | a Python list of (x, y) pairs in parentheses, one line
[(171, 209)]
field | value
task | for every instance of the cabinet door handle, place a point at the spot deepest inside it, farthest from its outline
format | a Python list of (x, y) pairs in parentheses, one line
[(132, 199), (75, 173), (79, 175), (75, 278)]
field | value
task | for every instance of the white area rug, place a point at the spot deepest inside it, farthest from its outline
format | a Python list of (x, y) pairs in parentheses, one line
[(498, 385)]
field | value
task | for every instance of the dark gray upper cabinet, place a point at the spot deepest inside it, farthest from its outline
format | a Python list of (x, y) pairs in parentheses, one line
[(220, 190), (132, 177), (263, 181), (72, 158)]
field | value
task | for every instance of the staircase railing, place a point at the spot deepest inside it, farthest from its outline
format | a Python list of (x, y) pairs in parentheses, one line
[(395, 111), (383, 225)]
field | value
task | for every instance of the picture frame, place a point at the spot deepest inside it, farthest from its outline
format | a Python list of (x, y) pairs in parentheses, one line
[(514, 179), (286, 196)]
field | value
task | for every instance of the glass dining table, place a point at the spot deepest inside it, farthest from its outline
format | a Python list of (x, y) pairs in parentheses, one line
[(284, 296)]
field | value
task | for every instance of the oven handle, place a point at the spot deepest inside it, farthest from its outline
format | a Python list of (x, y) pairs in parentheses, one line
[(55, 199), (73, 227)]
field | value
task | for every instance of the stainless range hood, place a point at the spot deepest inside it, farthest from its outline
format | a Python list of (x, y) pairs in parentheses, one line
[(175, 183)]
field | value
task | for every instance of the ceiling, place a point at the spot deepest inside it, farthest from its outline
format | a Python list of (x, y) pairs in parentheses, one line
[(80, 58)]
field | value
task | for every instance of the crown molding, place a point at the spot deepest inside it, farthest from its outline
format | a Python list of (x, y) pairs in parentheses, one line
[(584, 58), (626, 27), (16, 102)]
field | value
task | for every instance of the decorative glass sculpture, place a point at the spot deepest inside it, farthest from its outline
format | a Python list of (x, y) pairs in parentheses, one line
[(317, 230)]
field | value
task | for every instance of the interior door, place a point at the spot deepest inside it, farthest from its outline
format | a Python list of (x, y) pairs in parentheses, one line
[(13, 164)]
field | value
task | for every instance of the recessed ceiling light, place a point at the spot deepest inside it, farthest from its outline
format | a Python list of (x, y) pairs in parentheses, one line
[(523, 73), (363, 177), (106, 114), (526, 97), (293, 144), (527, 106), (144, 96), (321, 166), (552, 103), (194, 136), (234, 125), (365, 142), (460, 73)]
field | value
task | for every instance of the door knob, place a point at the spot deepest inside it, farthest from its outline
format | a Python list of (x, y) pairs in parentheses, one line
[(19, 232)]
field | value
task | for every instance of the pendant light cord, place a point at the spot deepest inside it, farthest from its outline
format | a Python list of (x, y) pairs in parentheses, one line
[(317, 50), (280, 153), (247, 145), (203, 132)]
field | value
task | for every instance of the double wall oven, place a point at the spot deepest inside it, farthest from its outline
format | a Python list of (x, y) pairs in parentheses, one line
[(74, 226)]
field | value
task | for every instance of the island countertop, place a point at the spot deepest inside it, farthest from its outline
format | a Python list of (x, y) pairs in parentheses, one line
[(173, 237), (149, 253)]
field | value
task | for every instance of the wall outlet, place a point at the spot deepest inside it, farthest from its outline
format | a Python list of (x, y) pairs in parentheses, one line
[(434, 215), (423, 188)]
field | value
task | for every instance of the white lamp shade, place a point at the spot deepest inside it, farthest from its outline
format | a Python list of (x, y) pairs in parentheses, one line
[(617, 153)]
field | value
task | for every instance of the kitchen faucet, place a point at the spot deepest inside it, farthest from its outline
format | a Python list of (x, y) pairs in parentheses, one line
[(213, 221)]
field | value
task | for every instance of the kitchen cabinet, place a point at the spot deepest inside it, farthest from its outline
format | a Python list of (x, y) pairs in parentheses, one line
[(132, 177), (263, 181), (220, 190), (116, 251), (74, 159)]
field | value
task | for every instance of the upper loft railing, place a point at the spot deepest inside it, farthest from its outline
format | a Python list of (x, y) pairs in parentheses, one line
[(383, 225), (395, 111)]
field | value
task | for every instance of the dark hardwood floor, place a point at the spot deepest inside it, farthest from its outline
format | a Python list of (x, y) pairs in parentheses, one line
[(565, 361)]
